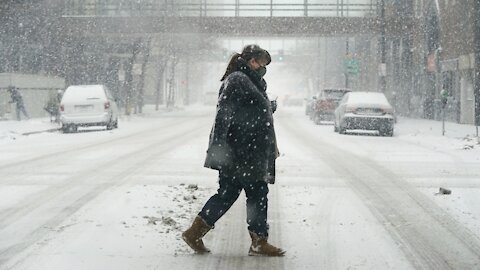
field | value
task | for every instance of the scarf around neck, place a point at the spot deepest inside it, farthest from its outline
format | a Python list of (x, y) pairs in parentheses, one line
[(252, 74)]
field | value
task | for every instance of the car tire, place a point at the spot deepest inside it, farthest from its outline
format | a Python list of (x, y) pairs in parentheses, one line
[(319, 119), (65, 128), (341, 130), (387, 132), (115, 124), (71, 128)]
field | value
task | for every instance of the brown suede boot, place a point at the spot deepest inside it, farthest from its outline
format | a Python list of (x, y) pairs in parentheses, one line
[(193, 235), (260, 247)]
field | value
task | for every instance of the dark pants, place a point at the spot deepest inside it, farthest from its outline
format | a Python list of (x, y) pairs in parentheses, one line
[(21, 109), (228, 192)]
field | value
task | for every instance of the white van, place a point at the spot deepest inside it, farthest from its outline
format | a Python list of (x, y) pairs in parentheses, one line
[(88, 105)]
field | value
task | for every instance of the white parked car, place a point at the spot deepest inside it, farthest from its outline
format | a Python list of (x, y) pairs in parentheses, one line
[(88, 105), (364, 110)]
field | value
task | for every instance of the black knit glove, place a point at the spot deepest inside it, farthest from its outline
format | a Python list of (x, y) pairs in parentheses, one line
[(273, 105)]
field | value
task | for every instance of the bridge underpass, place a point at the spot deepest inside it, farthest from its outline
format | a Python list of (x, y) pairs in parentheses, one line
[(222, 26), (223, 21), (272, 18)]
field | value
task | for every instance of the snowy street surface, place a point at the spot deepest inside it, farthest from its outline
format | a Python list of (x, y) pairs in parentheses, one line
[(120, 199)]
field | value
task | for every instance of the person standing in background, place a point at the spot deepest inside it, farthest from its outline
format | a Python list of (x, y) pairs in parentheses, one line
[(18, 100)]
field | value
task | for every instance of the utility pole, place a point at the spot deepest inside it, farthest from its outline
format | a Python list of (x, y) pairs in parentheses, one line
[(347, 56), (408, 55), (383, 54), (325, 61), (317, 74)]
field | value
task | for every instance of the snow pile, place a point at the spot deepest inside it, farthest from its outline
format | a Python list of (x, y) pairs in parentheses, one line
[(429, 132), (8, 135), (178, 218), (172, 212), (13, 130), (470, 142)]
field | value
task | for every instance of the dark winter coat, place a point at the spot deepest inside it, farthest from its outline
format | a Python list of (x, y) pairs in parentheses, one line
[(16, 98), (242, 140)]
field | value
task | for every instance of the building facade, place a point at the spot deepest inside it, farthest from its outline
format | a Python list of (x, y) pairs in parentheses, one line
[(435, 53)]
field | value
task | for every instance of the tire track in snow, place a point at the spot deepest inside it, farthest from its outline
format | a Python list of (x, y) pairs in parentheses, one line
[(84, 177), (80, 191), (51, 158), (456, 159), (429, 237)]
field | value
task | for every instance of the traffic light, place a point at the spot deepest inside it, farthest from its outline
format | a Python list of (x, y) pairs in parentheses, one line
[(280, 56), (444, 97)]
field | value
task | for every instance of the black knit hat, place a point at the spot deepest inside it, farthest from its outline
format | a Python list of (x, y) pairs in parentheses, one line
[(254, 51)]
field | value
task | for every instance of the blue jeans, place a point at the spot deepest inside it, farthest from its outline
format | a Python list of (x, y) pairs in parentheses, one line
[(230, 188)]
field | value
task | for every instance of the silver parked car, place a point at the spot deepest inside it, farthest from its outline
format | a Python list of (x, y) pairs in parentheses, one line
[(88, 105), (364, 110)]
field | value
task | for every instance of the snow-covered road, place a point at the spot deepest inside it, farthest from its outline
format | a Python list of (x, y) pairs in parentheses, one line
[(120, 199)]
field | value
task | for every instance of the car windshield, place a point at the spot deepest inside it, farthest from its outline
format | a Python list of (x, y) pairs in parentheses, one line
[(334, 93)]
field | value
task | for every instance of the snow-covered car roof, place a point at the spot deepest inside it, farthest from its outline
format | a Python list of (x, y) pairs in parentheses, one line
[(80, 92)]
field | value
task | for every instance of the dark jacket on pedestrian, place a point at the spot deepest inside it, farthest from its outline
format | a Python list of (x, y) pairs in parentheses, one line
[(242, 140), (16, 97)]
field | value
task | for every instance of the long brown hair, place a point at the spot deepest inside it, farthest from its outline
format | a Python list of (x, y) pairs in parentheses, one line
[(248, 52)]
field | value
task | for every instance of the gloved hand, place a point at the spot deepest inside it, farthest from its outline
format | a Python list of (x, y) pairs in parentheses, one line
[(270, 179), (273, 105)]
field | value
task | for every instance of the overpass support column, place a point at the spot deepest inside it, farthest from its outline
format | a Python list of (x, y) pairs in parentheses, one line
[(477, 62)]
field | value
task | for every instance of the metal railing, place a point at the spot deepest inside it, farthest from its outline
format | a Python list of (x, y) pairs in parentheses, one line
[(232, 8)]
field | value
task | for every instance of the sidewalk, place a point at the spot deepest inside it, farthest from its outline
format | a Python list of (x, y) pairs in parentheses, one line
[(459, 136), (434, 127), (11, 129)]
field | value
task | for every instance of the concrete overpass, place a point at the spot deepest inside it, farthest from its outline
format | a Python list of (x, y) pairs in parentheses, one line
[(226, 19), (222, 26)]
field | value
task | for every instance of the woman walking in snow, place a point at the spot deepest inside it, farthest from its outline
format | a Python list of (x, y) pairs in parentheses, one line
[(242, 148)]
